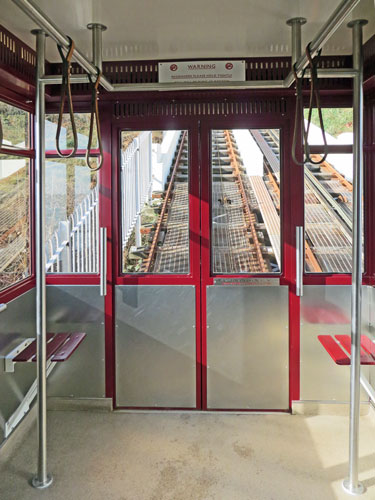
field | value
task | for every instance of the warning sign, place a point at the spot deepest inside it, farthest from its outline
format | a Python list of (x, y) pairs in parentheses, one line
[(202, 71)]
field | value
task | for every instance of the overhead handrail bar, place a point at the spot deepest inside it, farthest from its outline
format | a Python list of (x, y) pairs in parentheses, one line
[(94, 116), (334, 21), (66, 92), (32, 10)]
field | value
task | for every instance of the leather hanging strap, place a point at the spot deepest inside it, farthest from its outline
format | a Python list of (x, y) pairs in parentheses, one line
[(66, 92), (314, 93), (298, 116), (94, 117), (299, 113)]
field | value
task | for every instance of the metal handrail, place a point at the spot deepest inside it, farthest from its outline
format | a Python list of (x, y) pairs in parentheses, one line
[(37, 15)]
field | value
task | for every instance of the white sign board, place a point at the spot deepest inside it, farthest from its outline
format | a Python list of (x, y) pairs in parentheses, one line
[(202, 71)]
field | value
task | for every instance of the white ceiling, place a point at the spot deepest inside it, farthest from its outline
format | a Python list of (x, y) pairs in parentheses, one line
[(192, 29)]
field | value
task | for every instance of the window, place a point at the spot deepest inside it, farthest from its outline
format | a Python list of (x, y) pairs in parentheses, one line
[(15, 255), (82, 121), (16, 127), (155, 201), (245, 201), (72, 206), (14, 220), (328, 196)]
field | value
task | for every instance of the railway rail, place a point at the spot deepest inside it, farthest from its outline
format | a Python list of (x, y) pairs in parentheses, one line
[(169, 249), (328, 207)]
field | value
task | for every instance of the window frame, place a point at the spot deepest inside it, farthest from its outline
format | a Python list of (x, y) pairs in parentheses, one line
[(19, 287), (334, 278)]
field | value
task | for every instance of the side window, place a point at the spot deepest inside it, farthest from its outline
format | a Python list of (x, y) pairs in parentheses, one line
[(328, 195), (245, 201), (72, 213), (15, 258), (155, 201)]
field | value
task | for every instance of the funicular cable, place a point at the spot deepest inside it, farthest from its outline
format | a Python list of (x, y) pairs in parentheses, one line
[(66, 91), (94, 115), (299, 113)]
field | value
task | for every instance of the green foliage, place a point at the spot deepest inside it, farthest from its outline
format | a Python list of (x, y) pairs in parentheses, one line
[(15, 124), (82, 121), (336, 120)]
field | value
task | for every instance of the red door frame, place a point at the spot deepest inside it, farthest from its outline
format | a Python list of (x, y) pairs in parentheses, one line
[(193, 277)]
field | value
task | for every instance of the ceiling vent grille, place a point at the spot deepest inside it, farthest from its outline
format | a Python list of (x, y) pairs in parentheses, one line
[(214, 108)]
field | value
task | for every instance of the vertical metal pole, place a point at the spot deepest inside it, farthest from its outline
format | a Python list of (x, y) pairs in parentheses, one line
[(352, 485), (296, 23), (97, 51), (42, 479)]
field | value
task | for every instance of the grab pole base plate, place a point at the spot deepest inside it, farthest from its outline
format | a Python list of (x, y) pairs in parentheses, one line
[(353, 491)]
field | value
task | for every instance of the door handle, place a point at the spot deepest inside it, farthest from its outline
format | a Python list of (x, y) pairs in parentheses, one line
[(300, 254), (103, 261)]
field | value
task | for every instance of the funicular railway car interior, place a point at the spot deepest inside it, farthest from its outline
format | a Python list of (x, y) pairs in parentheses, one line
[(187, 261)]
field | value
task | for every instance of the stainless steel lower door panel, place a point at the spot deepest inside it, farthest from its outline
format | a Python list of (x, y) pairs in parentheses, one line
[(78, 308), (155, 346), (247, 347)]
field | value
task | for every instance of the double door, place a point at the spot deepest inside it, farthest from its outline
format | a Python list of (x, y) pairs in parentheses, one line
[(203, 265)]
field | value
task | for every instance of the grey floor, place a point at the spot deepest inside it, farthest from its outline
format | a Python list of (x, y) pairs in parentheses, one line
[(169, 456)]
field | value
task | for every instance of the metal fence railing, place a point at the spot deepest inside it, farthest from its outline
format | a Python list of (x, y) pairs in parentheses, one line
[(74, 246), (136, 182)]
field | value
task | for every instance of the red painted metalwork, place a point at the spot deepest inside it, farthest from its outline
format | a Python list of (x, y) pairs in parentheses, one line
[(28, 353), (339, 356), (66, 350), (60, 347), (334, 350)]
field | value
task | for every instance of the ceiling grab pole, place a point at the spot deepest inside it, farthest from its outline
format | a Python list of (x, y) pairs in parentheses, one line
[(351, 484), (296, 24), (97, 44), (42, 479)]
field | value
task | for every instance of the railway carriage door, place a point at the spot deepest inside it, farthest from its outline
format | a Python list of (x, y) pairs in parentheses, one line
[(201, 302), (245, 305)]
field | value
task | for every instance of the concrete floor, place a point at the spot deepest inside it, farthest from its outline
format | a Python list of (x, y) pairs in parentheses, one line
[(172, 456)]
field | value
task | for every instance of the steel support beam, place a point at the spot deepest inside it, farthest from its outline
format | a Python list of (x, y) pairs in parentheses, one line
[(352, 485)]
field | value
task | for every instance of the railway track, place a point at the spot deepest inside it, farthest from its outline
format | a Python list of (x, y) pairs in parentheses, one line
[(169, 249), (240, 240), (328, 205)]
